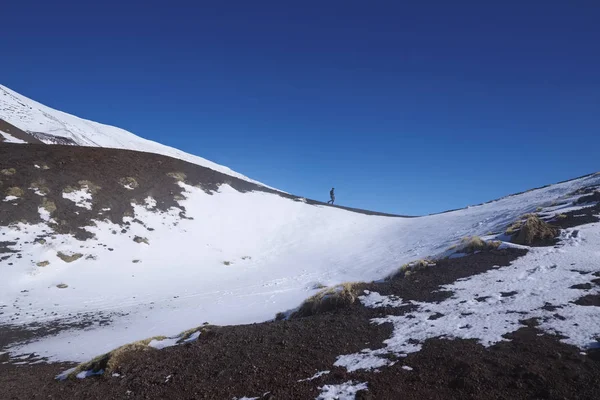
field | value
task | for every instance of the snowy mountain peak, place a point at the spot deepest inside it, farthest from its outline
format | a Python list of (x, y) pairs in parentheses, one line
[(56, 127)]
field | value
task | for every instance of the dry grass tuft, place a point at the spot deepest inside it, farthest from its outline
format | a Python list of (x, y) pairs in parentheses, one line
[(48, 205), (129, 182), (69, 257), (412, 267), (15, 191), (8, 171), (113, 360), (329, 299), (562, 216), (178, 176), (43, 263), (83, 184), (512, 229), (534, 230), (40, 186), (203, 329), (471, 244), (91, 186), (70, 189)]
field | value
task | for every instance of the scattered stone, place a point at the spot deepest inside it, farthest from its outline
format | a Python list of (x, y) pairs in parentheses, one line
[(68, 258), (582, 286), (589, 300), (62, 286), (139, 239)]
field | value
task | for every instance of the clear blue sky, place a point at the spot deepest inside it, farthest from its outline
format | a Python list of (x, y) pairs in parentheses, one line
[(408, 107)]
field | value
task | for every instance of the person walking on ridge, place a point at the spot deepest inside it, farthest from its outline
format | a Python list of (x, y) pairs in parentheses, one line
[(332, 195)]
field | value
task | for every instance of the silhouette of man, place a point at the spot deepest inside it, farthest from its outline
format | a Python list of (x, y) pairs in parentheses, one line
[(332, 195)]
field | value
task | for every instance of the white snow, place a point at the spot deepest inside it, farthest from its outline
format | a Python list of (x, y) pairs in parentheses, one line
[(315, 376), (86, 374), (44, 214), (10, 198), (81, 197), (407, 368), (544, 276), (276, 248), (374, 300), (38, 192), (344, 391), (8, 138), (65, 374), (31, 116), (161, 344)]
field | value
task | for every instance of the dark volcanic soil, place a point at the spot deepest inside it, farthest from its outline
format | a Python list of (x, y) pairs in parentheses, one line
[(571, 219), (251, 360)]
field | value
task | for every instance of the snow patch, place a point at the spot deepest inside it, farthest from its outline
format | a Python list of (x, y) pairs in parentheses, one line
[(8, 138), (81, 197), (65, 374), (344, 391), (44, 214), (315, 376), (375, 300), (87, 374), (38, 192), (150, 202), (161, 344)]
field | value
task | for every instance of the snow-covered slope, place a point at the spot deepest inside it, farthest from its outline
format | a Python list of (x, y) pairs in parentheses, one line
[(31, 116), (236, 258)]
